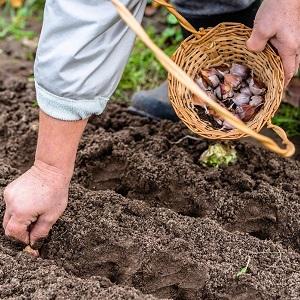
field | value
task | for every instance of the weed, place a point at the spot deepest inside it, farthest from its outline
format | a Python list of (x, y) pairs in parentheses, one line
[(243, 270), (288, 117)]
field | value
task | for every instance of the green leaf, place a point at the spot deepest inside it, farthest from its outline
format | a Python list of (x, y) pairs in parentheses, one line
[(241, 272), (218, 155), (171, 20), (169, 32)]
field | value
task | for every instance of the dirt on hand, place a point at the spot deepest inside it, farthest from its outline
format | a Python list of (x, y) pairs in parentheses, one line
[(145, 217)]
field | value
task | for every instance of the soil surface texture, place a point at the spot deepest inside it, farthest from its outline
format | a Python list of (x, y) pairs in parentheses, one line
[(145, 219)]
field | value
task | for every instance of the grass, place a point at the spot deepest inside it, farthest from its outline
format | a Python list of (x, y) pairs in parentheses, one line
[(288, 117), (143, 71), (13, 22)]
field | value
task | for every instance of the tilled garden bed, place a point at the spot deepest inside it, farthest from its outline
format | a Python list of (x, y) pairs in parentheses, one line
[(146, 218)]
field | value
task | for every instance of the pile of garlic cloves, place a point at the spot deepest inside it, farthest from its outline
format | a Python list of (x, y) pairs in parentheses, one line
[(234, 87)]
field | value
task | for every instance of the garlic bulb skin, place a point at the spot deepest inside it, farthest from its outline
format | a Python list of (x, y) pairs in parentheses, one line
[(256, 87), (233, 80), (239, 70), (245, 112), (246, 90), (214, 81), (227, 125), (226, 91), (222, 71), (256, 101), (240, 99), (218, 93), (202, 84)]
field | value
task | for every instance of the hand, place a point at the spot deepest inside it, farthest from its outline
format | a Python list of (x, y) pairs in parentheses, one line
[(38, 198), (34, 202), (278, 21)]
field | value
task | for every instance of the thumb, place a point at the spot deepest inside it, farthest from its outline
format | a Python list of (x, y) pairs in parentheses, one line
[(39, 230), (258, 39)]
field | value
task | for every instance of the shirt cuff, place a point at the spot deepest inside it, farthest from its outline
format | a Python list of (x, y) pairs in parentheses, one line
[(66, 109)]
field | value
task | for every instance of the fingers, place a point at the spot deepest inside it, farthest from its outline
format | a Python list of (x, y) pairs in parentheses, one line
[(17, 229), (258, 39), (40, 230), (6, 219), (288, 56), (289, 66), (297, 63)]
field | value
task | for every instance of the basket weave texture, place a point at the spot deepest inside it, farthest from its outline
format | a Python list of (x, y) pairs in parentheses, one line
[(225, 43)]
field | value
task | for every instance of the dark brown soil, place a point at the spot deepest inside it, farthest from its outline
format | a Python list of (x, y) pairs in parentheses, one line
[(145, 217)]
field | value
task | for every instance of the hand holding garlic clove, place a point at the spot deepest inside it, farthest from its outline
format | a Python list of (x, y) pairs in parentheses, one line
[(234, 87)]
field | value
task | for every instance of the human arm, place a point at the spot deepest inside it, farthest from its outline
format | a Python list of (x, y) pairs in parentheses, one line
[(82, 52), (35, 200), (278, 21)]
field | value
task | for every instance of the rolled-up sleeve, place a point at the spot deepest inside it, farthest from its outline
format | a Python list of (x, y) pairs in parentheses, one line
[(82, 52)]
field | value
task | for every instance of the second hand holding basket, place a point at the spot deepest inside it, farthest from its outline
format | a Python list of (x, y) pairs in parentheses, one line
[(212, 47)]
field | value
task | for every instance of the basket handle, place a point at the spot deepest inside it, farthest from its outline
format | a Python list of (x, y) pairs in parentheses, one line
[(183, 21), (184, 79), (282, 134)]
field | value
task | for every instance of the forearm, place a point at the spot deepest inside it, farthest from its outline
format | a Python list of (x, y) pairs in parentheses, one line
[(57, 143)]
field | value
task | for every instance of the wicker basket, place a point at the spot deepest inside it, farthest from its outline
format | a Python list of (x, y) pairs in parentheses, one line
[(225, 43)]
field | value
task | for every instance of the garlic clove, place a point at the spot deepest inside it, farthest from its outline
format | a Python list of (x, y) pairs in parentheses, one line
[(210, 77), (233, 80), (31, 251), (240, 99), (246, 112), (222, 70), (256, 101), (211, 95), (202, 84), (257, 88), (208, 72), (246, 90), (218, 92), (219, 121), (213, 81), (239, 70), (226, 90)]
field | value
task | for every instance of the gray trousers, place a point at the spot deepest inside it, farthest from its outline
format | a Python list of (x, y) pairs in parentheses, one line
[(82, 52)]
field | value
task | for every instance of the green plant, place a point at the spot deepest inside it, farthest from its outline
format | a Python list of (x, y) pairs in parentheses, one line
[(218, 155), (288, 117), (143, 71), (13, 21), (243, 270)]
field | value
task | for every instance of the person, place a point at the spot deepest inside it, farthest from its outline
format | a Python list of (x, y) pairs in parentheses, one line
[(155, 103), (82, 52), (201, 14)]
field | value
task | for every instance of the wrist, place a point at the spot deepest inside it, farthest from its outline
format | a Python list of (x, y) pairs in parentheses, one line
[(57, 144), (58, 175)]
